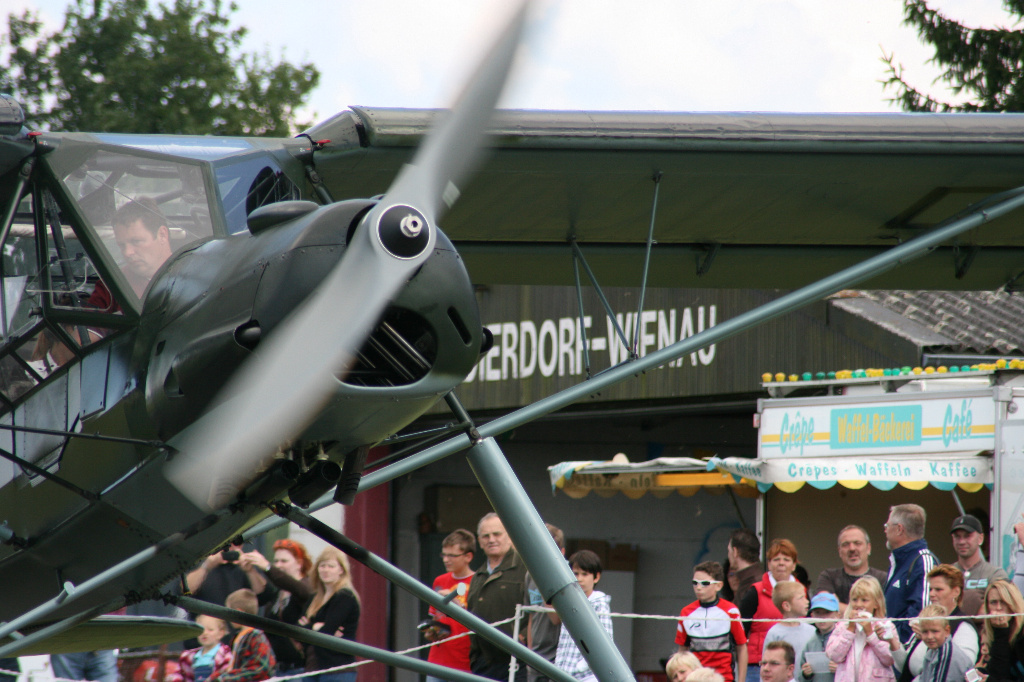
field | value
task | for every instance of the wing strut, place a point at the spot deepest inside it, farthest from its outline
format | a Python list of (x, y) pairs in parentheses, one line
[(70, 592), (579, 301), (647, 263), (424, 593), (21, 643), (546, 564), (578, 256)]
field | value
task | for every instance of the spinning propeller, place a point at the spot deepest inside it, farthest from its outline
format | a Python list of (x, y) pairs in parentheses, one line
[(295, 369)]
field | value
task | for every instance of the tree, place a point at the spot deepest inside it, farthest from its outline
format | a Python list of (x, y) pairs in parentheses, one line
[(984, 64), (119, 67)]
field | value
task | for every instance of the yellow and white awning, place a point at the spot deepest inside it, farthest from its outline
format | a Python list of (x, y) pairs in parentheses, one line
[(660, 477), (969, 470)]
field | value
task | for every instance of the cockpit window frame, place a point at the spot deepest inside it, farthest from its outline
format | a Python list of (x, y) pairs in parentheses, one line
[(57, 315), (102, 260)]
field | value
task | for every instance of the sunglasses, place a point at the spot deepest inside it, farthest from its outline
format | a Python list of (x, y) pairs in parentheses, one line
[(706, 583)]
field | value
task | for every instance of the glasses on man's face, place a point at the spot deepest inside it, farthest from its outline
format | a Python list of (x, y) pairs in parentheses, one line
[(445, 555), (706, 583)]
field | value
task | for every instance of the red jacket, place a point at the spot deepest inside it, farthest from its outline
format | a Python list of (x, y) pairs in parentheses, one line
[(765, 609)]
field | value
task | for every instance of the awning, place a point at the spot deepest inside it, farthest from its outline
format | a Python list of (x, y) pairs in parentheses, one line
[(968, 470), (660, 477)]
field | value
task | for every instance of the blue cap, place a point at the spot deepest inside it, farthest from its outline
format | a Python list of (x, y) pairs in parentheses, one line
[(825, 600)]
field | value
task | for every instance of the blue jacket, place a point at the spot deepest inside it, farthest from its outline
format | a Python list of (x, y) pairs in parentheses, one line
[(906, 590)]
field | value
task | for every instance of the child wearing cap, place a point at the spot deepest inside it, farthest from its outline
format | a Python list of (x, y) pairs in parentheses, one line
[(824, 612)]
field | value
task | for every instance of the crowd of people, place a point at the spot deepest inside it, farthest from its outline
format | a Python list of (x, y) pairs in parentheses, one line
[(293, 590), (922, 621), (495, 589)]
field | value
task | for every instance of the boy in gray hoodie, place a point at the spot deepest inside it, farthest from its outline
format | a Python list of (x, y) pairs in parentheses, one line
[(823, 612)]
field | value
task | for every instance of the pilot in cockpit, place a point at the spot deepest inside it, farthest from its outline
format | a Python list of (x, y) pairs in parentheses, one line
[(141, 233)]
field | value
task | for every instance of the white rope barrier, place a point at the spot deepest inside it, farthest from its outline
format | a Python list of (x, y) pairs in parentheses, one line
[(521, 609), (806, 619), (358, 664)]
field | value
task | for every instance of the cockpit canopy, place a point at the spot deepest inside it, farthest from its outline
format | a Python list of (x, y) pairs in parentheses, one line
[(92, 230)]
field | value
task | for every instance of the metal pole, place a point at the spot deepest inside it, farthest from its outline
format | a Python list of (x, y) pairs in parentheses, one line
[(330, 642), (579, 300), (70, 592), (399, 577), (600, 294), (513, 664), (5, 228), (647, 262), (546, 564), (12, 648)]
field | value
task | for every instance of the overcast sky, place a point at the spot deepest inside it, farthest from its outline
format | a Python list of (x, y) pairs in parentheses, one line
[(671, 55)]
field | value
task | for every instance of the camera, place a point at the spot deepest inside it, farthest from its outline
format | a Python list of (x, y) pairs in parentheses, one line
[(230, 555), (434, 630)]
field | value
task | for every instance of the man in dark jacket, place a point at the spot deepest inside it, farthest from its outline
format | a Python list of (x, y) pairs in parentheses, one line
[(496, 589), (744, 552), (906, 589)]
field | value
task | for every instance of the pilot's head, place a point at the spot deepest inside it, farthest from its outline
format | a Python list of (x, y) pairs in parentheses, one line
[(142, 235)]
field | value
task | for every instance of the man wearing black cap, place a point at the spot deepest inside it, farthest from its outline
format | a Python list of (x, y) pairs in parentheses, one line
[(968, 535)]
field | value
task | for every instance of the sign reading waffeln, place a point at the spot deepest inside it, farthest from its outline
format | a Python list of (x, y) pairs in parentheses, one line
[(946, 425), (970, 471)]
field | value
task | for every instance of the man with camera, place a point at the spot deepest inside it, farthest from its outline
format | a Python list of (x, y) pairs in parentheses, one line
[(219, 575)]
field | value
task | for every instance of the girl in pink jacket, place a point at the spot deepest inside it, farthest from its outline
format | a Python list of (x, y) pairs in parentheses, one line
[(862, 645)]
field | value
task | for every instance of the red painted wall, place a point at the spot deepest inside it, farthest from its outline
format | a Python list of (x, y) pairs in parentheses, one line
[(368, 522)]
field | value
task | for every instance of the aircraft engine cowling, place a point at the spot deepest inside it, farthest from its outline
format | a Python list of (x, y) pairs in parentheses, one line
[(238, 291)]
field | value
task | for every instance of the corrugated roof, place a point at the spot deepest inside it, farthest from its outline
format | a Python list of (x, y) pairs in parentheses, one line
[(984, 322)]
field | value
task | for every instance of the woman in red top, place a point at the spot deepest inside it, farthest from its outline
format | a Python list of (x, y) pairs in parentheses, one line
[(757, 602)]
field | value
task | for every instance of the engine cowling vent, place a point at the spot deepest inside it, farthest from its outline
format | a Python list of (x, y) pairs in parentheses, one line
[(400, 351)]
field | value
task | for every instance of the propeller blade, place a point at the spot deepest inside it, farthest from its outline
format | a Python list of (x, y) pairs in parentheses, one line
[(450, 152), (280, 391)]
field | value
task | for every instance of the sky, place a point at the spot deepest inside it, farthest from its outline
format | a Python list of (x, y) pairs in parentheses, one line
[(664, 55)]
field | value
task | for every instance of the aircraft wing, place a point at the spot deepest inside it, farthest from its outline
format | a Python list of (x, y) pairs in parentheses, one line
[(745, 199)]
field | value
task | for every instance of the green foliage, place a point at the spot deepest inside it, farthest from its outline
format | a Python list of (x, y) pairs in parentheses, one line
[(986, 65), (119, 67)]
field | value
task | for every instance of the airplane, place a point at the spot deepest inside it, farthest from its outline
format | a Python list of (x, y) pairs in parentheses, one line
[(296, 302)]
